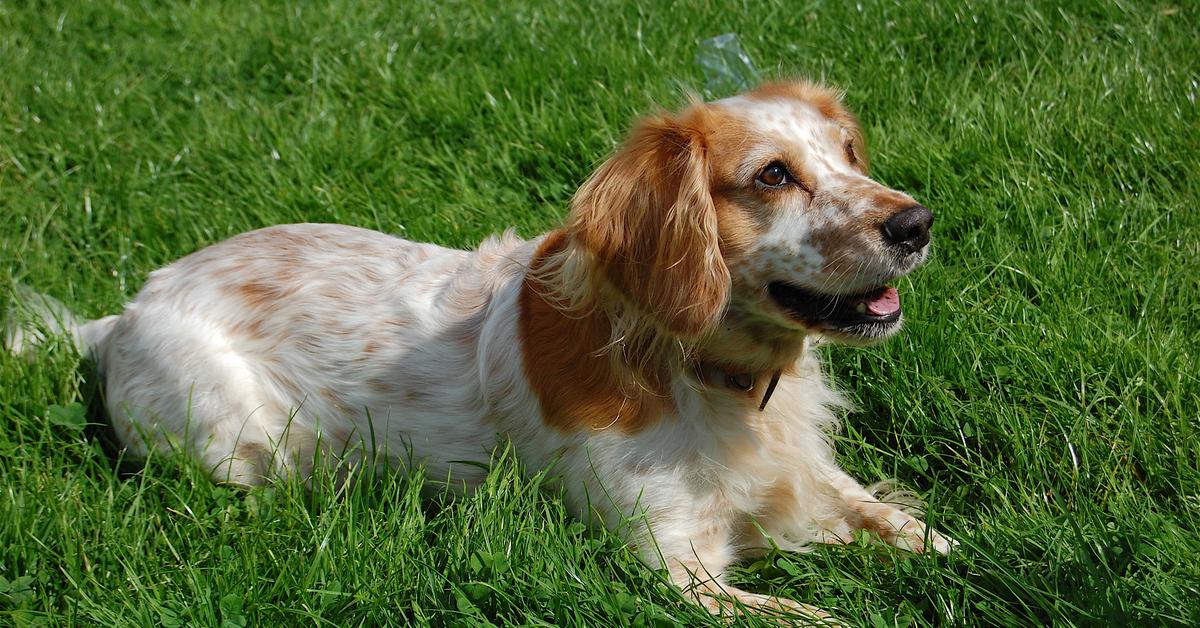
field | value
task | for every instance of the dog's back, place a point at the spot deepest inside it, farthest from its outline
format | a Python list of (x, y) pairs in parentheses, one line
[(254, 352)]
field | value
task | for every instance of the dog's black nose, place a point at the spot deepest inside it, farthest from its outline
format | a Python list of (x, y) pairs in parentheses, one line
[(908, 229)]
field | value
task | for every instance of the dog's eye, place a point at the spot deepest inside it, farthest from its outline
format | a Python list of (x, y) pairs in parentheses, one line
[(851, 156), (775, 175)]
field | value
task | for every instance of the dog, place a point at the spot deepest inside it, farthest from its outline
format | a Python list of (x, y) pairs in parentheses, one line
[(657, 350)]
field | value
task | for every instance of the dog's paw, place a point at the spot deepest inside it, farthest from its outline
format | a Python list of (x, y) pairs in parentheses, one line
[(940, 543), (918, 538), (924, 541)]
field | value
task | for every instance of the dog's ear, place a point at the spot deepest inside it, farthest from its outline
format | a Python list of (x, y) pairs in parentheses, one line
[(647, 218)]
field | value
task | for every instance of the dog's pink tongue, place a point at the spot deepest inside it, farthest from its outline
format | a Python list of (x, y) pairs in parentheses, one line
[(887, 303)]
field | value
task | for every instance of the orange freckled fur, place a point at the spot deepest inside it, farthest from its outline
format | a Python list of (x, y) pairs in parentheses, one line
[(261, 294), (828, 101)]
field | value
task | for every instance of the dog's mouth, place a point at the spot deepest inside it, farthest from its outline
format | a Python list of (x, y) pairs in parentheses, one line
[(871, 314)]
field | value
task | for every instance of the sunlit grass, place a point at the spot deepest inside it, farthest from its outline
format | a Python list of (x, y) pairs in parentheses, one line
[(1043, 397)]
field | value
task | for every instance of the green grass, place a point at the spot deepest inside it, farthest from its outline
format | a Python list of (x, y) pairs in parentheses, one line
[(1043, 397)]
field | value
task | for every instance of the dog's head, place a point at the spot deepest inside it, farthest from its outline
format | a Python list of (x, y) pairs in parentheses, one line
[(752, 213)]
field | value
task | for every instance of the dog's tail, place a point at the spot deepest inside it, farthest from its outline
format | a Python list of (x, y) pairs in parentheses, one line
[(33, 317)]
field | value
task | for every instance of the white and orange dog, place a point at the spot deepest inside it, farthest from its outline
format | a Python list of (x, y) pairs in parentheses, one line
[(656, 350)]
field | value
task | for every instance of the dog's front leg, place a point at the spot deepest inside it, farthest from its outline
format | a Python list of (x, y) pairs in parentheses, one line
[(696, 548), (861, 510)]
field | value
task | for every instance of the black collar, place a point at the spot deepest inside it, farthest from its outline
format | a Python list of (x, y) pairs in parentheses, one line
[(742, 382)]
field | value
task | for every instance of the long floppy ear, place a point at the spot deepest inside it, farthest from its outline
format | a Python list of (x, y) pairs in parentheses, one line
[(647, 217)]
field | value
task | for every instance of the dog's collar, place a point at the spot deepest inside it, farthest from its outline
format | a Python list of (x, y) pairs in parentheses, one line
[(714, 375)]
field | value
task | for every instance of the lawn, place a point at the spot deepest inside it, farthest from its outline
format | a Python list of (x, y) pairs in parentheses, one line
[(1043, 398)]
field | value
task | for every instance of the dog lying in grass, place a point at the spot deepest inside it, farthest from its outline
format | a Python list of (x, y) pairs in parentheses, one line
[(657, 349)]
